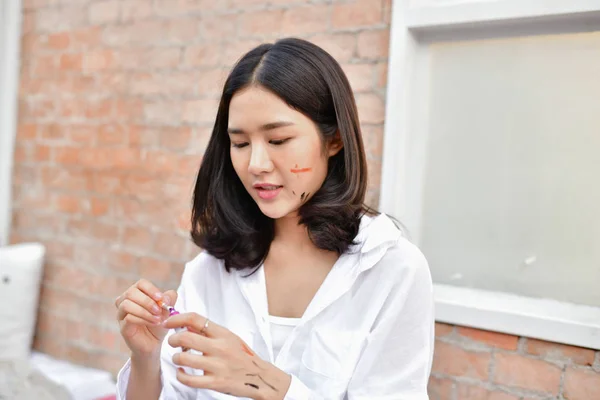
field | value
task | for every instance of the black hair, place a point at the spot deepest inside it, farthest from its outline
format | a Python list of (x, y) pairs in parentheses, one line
[(226, 221)]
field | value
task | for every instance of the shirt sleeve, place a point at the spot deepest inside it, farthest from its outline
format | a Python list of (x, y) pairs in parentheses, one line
[(172, 389), (396, 361)]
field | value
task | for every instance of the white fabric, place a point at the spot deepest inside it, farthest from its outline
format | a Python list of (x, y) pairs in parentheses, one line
[(367, 333), (21, 268), (281, 328)]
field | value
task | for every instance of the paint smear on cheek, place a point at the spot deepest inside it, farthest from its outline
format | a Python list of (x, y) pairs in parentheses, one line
[(297, 170)]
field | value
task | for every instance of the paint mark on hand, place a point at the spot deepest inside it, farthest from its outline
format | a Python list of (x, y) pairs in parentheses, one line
[(247, 350), (302, 196), (252, 385)]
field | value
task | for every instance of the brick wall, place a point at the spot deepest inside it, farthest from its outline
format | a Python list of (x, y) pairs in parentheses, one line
[(117, 101), (471, 364)]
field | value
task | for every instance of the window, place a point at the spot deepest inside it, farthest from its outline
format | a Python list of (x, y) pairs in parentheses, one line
[(497, 174)]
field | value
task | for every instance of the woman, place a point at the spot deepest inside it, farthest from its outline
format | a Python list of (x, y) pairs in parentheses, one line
[(300, 292)]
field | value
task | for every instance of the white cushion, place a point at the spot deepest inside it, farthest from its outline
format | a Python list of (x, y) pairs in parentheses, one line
[(21, 268)]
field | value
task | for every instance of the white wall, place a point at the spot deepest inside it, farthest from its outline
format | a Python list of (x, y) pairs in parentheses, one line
[(10, 32)]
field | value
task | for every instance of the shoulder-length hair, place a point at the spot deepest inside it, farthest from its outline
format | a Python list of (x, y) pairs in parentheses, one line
[(226, 221)]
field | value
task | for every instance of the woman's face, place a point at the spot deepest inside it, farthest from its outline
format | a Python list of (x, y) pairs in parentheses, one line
[(276, 151)]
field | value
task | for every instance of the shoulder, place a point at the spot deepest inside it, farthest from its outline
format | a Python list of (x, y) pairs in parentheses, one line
[(388, 253)]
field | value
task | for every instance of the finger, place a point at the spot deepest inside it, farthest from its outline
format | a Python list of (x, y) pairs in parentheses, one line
[(170, 297), (141, 298), (132, 319), (196, 323), (190, 340), (129, 307), (196, 361), (149, 289), (197, 381)]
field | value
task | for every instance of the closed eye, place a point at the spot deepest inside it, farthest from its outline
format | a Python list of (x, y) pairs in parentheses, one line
[(278, 141), (239, 145)]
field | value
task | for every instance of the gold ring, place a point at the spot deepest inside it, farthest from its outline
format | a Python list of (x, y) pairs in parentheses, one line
[(204, 327)]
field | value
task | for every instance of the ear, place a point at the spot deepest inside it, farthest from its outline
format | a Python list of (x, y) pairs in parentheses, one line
[(335, 144)]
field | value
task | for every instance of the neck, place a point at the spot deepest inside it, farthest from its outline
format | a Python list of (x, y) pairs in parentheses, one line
[(287, 230)]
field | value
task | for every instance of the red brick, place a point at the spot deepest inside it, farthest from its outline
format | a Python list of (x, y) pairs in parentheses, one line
[(108, 362), (373, 44), (357, 13), (440, 389), (469, 392), (361, 76), (518, 371), (234, 51), (103, 339), (60, 19), (494, 339), (103, 12), (307, 19), (442, 330), (71, 61), (218, 27), (77, 331), (121, 261), (175, 138), (65, 178), (203, 55), (452, 360), (341, 46), (555, 351), (186, 7), (58, 41), (211, 81), (382, 74), (260, 23), (98, 207), (581, 384), (68, 204), (27, 132), (97, 60), (154, 270), (112, 134), (143, 137), (371, 108), (200, 111), (151, 58), (170, 245), (134, 10), (138, 238)]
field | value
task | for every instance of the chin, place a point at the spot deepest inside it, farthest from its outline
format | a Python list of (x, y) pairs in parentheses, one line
[(273, 210)]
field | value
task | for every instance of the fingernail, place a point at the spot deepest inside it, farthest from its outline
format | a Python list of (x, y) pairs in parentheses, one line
[(158, 295), (155, 309), (167, 300)]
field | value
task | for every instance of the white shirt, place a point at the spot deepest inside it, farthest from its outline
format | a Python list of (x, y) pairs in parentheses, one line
[(367, 333), (281, 328)]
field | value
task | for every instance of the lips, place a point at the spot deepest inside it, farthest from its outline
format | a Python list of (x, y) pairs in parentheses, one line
[(267, 191)]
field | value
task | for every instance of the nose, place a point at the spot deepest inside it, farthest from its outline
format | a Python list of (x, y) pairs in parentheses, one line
[(260, 161)]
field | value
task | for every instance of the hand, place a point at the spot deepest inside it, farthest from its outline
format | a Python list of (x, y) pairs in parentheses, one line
[(229, 365), (140, 317)]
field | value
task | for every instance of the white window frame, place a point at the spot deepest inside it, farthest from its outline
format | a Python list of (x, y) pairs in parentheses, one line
[(545, 319), (10, 33)]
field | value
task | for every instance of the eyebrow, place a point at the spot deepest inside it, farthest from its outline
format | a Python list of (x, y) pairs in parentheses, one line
[(266, 127)]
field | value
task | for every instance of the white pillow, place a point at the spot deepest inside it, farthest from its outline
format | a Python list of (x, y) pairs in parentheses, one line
[(20, 277)]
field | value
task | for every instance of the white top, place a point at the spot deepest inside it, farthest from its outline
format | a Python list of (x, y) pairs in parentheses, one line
[(281, 328), (367, 334)]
